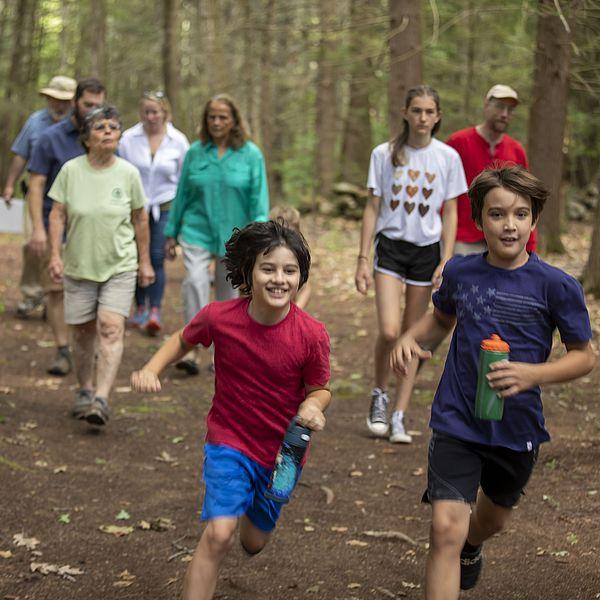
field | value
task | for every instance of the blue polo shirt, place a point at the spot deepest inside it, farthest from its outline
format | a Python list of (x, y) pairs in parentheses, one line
[(25, 141), (56, 145)]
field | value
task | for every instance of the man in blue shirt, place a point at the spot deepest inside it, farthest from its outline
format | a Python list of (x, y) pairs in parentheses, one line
[(55, 147), (59, 97)]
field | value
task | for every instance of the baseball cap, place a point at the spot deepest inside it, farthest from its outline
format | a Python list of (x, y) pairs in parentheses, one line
[(60, 88), (502, 91)]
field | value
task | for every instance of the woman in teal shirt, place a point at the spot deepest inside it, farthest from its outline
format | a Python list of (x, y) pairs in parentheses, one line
[(223, 185)]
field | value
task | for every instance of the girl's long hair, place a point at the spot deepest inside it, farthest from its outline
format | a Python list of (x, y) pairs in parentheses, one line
[(398, 143)]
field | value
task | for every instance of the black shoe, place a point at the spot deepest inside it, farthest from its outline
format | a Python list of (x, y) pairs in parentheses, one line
[(470, 567), (83, 403), (189, 366), (98, 413)]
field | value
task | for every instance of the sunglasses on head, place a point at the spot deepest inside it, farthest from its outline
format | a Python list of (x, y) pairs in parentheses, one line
[(154, 94)]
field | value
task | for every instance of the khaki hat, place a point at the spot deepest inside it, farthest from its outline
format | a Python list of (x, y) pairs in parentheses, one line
[(60, 88), (502, 91)]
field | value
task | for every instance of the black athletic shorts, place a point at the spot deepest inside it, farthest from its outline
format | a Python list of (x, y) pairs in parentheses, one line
[(457, 468), (405, 261)]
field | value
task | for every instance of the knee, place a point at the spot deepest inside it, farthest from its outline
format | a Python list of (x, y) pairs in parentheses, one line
[(447, 532), (219, 537), (389, 336), (252, 547), (109, 330)]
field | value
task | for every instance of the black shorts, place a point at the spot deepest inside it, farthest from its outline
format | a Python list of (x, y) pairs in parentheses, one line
[(405, 261), (457, 468)]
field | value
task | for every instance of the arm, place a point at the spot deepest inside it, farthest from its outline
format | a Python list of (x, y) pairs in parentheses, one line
[(139, 218), (311, 411), (449, 224), (56, 230), (510, 378), (363, 277), (147, 378), (428, 332), (35, 198), (303, 296), (15, 170)]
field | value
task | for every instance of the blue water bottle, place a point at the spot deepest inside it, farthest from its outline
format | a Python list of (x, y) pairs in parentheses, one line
[(287, 464)]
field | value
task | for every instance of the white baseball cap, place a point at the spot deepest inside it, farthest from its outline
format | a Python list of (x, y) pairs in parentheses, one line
[(502, 91)]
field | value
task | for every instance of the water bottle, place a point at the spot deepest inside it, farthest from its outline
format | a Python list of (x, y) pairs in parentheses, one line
[(488, 404), (287, 464)]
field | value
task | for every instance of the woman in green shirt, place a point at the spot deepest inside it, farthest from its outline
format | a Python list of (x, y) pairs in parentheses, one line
[(223, 185)]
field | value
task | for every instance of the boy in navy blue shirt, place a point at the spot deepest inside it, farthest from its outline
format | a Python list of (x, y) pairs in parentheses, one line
[(479, 468)]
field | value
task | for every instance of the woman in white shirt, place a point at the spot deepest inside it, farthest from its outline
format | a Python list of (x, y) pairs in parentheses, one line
[(411, 178), (157, 149)]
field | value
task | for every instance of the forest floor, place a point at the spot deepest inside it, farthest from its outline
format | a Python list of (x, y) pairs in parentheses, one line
[(355, 528)]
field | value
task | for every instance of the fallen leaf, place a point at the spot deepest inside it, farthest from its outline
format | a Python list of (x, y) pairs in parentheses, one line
[(65, 518), (410, 585), (143, 525), (5, 554), (125, 579), (19, 539), (177, 440), (125, 389), (4, 389), (161, 524), (313, 589), (28, 425), (45, 343), (309, 528), (329, 495), (165, 457), (362, 333), (42, 464), (356, 473), (339, 529), (356, 543), (61, 469), (187, 558), (418, 472), (66, 571), (116, 530), (123, 515), (353, 586), (390, 535)]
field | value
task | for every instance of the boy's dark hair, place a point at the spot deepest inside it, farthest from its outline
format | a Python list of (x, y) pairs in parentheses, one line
[(260, 238), (510, 177), (91, 84)]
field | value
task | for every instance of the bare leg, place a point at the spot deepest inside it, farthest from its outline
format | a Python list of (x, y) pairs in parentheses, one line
[(84, 338), (56, 318), (417, 302), (111, 327), (252, 538), (201, 576), (449, 526), (487, 519)]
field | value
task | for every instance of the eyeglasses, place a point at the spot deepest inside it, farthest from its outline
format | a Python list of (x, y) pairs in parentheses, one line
[(104, 126)]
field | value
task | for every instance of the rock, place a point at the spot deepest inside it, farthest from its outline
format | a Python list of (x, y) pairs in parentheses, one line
[(576, 211), (345, 188)]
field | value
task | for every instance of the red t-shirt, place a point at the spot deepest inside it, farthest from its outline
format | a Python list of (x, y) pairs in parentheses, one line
[(475, 154), (260, 373)]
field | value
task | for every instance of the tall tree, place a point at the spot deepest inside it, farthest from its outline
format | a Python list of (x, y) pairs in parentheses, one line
[(265, 133), (97, 32), (356, 144), (171, 54), (216, 65), (406, 64), (548, 111), (326, 100), (591, 274)]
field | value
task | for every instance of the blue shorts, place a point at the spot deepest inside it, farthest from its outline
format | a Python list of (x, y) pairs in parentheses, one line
[(235, 486)]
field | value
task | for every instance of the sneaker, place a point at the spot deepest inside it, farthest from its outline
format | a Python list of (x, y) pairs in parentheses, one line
[(470, 567), (83, 403), (398, 434), (61, 365), (153, 325), (377, 421), (139, 318), (98, 414), (28, 306), (189, 366)]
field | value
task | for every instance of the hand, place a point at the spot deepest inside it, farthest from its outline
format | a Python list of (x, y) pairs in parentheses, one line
[(436, 278), (363, 278), (145, 380), (7, 194), (509, 378), (171, 248), (56, 269), (311, 416), (146, 274), (38, 241), (404, 352)]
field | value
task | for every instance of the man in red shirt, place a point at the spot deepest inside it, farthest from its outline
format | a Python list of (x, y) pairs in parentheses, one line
[(479, 147)]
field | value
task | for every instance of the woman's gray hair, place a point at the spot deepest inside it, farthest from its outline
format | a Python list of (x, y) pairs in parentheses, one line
[(98, 114)]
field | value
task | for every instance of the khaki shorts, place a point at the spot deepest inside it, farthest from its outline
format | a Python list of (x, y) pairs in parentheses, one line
[(83, 298)]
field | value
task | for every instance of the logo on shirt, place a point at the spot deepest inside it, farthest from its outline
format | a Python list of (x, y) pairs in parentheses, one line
[(117, 193)]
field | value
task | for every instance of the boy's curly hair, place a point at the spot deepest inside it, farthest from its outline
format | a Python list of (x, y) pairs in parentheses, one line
[(260, 238), (510, 177)]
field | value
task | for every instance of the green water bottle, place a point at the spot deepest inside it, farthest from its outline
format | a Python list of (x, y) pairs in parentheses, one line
[(488, 404)]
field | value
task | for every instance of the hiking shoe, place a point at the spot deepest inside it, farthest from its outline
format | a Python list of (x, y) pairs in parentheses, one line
[(139, 318), (98, 414), (153, 325), (189, 366), (83, 403), (28, 306), (61, 365), (398, 433), (470, 567), (377, 421)]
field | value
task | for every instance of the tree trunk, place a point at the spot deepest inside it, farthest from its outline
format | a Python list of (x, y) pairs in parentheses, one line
[(218, 73), (356, 145), (248, 62), (326, 101), (97, 32), (591, 274), (548, 113), (265, 134), (470, 60), (15, 73), (171, 55), (406, 64)]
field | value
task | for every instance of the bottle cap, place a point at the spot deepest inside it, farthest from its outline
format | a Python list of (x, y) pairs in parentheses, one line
[(297, 434), (495, 344)]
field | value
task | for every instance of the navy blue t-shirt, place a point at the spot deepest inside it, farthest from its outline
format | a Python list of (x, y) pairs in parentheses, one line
[(523, 306), (55, 146)]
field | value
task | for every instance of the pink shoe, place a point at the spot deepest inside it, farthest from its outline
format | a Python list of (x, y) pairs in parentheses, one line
[(139, 318), (153, 325)]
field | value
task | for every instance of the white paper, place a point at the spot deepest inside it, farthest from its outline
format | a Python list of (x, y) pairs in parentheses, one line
[(11, 217)]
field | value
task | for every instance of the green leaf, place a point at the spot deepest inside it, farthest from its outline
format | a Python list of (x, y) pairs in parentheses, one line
[(123, 515), (177, 440), (65, 518)]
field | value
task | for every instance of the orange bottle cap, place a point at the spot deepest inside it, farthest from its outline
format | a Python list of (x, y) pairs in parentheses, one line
[(495, 344)]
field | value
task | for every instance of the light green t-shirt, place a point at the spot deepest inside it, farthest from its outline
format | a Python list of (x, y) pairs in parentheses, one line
[(98, 205)]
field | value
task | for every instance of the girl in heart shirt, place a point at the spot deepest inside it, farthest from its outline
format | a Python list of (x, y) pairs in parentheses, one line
[(411, 179)]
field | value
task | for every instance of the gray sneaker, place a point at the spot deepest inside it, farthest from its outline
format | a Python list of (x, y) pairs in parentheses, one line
[(26, 307), (83, 403), (61, 365), (377, 421), (98, 414), (398, 434)]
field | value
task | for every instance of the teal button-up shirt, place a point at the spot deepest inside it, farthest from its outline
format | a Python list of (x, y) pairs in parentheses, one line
[(215, 195)]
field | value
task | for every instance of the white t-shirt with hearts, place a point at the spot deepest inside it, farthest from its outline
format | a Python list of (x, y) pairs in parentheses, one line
[(412, 195)]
